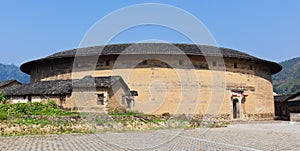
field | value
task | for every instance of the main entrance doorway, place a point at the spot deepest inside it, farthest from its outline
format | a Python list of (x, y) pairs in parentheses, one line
[(236, 104), (235, 108)]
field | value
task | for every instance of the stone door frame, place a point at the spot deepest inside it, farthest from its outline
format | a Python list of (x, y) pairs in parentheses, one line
[(239, 97)]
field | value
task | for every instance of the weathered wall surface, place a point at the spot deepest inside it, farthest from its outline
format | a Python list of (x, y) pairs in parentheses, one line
[(115, 97), (173, 86), (58, 99), (86, 100)]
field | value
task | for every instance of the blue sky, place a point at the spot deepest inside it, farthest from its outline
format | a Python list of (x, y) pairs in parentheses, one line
[(268, 29)]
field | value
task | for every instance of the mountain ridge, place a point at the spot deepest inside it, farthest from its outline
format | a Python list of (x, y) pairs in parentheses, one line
[(12, 72), (287, 81)]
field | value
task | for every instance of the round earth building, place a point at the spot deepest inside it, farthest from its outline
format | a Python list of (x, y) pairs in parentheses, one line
[(173, 78)]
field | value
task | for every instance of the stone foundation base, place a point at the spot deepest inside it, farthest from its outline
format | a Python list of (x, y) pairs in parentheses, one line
[(260, 116), (228, 117)]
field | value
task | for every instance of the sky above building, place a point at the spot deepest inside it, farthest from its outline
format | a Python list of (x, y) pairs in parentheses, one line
[(31, 29)]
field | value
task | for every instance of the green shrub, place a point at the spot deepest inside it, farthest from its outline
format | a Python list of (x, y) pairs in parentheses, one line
[(99, 121), (3, 116), (117, 111), (3, 99), (36, 108), (4, 107), (51, 104), (124, 112)]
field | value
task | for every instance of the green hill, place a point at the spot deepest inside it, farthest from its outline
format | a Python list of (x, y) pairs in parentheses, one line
[(288, 80), (8, 72)]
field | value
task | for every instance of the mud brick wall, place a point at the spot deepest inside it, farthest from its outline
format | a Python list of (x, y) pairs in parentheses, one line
[(178, 84)]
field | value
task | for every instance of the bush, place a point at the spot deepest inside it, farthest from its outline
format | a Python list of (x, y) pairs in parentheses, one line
[(4, 107), (3, 99), (3, 116), (51, 104), (36, 108), (123, 112), (117, 111)]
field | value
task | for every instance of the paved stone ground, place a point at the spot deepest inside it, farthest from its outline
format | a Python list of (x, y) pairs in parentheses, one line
[(258, 136)]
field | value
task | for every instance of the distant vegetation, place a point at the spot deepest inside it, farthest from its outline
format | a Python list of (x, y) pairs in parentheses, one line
[(288, 80), (9, 72)]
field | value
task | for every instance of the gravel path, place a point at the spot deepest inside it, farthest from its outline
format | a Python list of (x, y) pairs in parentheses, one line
[(267, 136)]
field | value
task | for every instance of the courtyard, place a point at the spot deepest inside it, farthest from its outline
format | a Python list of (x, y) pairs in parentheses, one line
[(240, 136)]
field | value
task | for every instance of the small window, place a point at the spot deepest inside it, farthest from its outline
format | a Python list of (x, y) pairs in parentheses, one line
[(214, 63), (204, 66), (51, 68), (180, 62), (100, 99), (251, 67), (235, 65), (100, 64), (107, 62), (145, 62)]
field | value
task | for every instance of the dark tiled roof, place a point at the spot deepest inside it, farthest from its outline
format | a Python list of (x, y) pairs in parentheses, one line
[(41, 88), (61, 86), (153, 48), (6, 82), (90, 81), (282, 98)]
